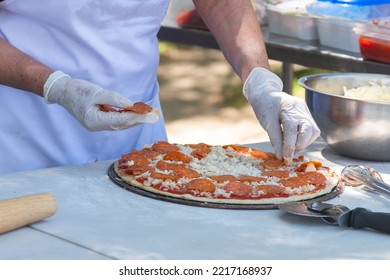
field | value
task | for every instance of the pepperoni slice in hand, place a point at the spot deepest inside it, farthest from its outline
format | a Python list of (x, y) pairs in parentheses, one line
[(138, 107)]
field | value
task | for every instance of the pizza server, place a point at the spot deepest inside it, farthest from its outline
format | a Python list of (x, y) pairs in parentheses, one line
[(21, 211), (341, 215)]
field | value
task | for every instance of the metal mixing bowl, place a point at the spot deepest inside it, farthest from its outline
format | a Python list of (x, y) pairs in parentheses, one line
[(353, 127)]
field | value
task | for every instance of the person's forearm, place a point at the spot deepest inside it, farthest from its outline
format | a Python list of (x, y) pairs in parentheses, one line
[(21, 71), (235, 26)]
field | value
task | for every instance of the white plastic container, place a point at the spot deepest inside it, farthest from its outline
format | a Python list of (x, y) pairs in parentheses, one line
[(290, 19), (339, 34), (337, 19)]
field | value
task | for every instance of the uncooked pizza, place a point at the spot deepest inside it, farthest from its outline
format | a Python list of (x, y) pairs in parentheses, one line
[(230, 174)]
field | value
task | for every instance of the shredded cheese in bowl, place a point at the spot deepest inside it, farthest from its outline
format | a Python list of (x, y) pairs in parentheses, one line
[(373, 91)]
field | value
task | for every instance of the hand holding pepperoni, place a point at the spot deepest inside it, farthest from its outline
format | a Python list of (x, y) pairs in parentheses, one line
[(82, 99)]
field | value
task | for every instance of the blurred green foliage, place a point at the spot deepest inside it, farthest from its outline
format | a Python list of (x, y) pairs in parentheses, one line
[(297, 89), (233, 92)]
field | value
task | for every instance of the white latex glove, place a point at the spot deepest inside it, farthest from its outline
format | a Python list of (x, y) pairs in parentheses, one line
[(81, 98), (286, 118)]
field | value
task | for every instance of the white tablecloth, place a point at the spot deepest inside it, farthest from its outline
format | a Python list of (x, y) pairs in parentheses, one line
[(96, 219)]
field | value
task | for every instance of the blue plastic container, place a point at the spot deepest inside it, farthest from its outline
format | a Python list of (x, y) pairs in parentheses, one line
[(355, 10), (358, 2)]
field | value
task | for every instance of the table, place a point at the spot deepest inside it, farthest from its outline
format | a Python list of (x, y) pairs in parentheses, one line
[(96, 219), (281, 48)]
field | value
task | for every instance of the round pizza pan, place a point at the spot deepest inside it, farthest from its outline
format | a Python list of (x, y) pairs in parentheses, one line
[(337, 190)]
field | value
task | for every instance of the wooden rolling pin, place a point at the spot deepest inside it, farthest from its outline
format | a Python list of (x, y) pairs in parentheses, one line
[(25, 210)]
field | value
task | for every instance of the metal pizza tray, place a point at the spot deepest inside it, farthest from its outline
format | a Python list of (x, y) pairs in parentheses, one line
[(118, 181)]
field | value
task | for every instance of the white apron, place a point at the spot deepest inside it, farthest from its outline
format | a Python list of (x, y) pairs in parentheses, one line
[(110, 43)]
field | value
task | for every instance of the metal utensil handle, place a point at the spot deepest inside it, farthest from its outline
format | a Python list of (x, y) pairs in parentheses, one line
[(373, 183), (380, 186), (363, 218)]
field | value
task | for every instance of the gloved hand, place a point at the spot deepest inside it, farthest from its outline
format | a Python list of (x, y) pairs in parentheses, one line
[(286, 118), (81, 98)]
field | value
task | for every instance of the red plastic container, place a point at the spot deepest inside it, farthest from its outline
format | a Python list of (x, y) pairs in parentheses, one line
[(374, 40), (190, 19)]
